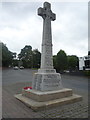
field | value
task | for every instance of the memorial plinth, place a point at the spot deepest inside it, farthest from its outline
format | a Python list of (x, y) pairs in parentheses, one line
[(47, 86)]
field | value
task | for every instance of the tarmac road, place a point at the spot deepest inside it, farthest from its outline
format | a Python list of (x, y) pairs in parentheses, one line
[(14, 80), (11, 76)]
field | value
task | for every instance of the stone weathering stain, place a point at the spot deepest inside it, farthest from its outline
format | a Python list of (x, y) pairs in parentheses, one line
[(47, 90)]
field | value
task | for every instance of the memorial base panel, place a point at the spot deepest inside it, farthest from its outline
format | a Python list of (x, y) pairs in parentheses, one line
[(47, 81)]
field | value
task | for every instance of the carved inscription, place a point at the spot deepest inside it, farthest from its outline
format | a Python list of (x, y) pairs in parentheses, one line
[(52, 80), (49, 71), (48, 50), (38, 81), (48, 61)]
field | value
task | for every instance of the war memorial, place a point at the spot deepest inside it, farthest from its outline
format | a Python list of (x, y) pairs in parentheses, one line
[(47, 89)]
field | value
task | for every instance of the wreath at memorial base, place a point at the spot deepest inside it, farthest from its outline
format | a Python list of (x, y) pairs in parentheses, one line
[(27, 88)]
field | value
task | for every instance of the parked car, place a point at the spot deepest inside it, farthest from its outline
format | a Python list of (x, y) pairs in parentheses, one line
[(15, 68), (21, 67), (66, 71)]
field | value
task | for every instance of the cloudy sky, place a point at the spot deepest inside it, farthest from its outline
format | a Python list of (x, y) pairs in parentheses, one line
[(20, 25)]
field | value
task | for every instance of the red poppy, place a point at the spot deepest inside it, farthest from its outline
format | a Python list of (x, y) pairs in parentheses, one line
[(25, 88)]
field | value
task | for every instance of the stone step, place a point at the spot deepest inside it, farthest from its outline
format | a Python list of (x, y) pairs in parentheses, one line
[(35, 105), (48, 95)]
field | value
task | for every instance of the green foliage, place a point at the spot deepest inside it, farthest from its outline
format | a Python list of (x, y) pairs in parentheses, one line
[(14, 55), (88, 52), (72, 62), (15, 62), (36, 58), (26, 56), (29, 58), (7, 56), (61, 61), (54, 61), (25, 53), (87, 73)]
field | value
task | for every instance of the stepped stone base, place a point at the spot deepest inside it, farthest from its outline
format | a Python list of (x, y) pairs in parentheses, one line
[(38, 100), (48, 95)]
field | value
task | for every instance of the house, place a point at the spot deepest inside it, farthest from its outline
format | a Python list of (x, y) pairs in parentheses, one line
[(84, 62)]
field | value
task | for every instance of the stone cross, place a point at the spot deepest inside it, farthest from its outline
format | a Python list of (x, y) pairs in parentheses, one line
[(47, 89), (46, 79), (48, 16)]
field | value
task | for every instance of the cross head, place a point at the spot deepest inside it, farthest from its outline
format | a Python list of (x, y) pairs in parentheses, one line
[(46, 11)]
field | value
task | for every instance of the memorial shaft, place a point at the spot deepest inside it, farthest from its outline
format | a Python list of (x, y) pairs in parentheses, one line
[(46, 57)]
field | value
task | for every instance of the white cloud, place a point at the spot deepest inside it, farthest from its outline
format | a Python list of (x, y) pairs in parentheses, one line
[(20, 25), (71, 29)]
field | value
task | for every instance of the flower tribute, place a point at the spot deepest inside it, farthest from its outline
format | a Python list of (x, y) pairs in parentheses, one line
[(27, 88)]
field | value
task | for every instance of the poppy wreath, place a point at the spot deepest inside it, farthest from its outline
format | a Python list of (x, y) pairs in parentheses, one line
[(26, 88)]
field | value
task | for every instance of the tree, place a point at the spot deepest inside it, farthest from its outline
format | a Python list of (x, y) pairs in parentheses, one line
[(61, 61), (72, 62), (54, 61), (15, 62), (36, 58), (26, 56), (88, 52), (14, 55), (7, 56)]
